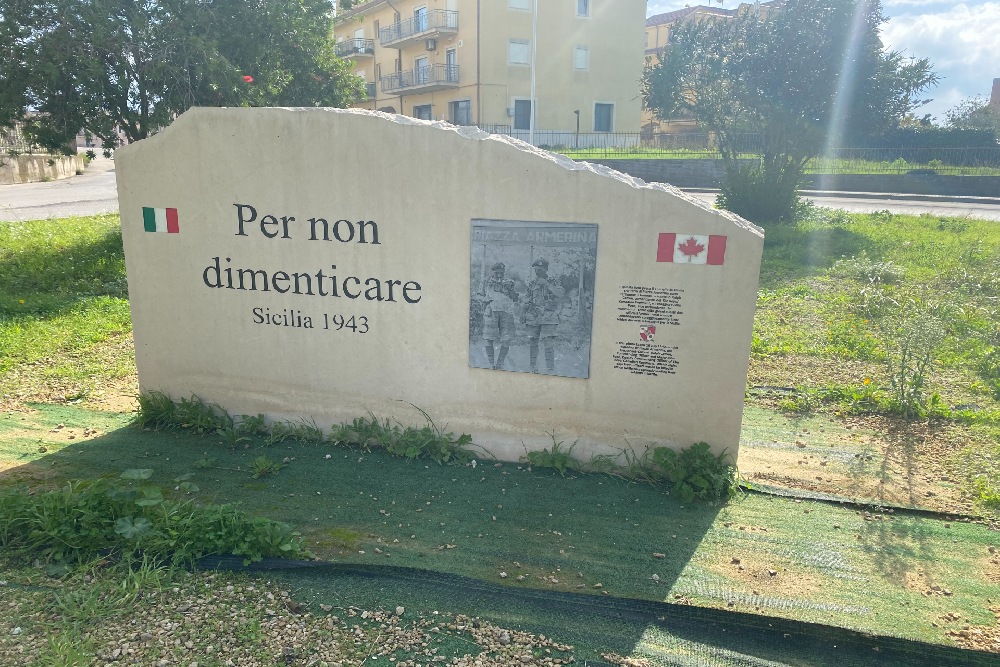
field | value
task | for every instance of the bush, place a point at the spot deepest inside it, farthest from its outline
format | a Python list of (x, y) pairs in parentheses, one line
[(759, 197), (695, 473)]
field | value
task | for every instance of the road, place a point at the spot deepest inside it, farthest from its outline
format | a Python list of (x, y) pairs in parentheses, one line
[(94, 192)]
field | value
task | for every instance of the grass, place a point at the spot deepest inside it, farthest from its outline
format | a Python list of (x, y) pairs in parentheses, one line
[(65, 327)]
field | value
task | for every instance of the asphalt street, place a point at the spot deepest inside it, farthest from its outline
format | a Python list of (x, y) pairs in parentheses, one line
[(94, 192)]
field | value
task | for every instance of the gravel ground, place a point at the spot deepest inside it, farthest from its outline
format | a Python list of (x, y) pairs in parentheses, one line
[(223, 619)]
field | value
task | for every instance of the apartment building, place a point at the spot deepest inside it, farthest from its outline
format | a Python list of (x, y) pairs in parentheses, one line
[(475, 62)]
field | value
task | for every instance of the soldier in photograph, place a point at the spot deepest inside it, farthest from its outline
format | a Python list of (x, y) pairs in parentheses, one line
[(498, 316), (541, 314)]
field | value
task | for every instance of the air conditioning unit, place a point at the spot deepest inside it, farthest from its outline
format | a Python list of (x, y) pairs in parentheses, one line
[(432, 44), (510, 111)]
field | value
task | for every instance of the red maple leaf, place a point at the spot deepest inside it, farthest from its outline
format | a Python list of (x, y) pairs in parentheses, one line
[(691, 247)]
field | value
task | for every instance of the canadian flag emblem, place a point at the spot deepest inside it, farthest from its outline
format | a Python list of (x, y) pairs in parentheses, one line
[(691, 249)]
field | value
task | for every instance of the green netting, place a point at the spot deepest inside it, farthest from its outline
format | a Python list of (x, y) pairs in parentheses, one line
[(664, 634), (393, 524)]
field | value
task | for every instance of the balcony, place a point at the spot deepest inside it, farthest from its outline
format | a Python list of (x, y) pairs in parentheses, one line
[(433, 24), (421, 80), (356, 48)]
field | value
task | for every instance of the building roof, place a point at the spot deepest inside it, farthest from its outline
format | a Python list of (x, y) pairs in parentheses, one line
[(673, 17), (678, 14)]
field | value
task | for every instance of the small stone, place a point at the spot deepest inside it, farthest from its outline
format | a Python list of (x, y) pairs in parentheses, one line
[(504, 638), (735, 561), (17, 631), (503, 575), (773, 573), (400, 611), (659, 555), (598, 585)]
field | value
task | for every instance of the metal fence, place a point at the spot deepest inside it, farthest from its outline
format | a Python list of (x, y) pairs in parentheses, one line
[(12, 142), (691, 145)]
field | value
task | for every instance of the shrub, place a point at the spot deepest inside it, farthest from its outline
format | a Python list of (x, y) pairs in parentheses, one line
[(695, 473)]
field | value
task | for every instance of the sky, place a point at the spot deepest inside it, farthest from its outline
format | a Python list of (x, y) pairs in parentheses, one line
[(960, 38)]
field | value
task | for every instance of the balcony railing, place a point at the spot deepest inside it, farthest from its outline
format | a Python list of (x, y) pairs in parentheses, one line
[(423, 79), (426, 26), (356, 48)]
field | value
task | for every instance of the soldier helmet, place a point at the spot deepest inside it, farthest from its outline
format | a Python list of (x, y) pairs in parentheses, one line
[(542, 262), (498, 266)]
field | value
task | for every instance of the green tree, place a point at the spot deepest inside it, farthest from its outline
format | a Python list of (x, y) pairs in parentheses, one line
[(128, 67), (974, 113), (807, 75)]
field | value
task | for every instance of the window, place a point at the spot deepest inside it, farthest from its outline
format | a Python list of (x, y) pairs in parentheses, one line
[(423, 112), (421, 70), (519, 4), (451, 67), (522, 114), (583, 7), (461, 112), (604, 116), (581, 57), (518, 52)]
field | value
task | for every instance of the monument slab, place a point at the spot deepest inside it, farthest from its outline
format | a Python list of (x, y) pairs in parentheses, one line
[(328, 264)]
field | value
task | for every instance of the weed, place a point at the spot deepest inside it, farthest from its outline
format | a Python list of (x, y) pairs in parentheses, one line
[(156, 410), (989, 370), (252, 425), (130, 520), (558, 458), (428, 441), (231, 437), (692, 473), (695, 473), (263, 466), (201, 417), (66, 649), (802, 402), (912, 343)]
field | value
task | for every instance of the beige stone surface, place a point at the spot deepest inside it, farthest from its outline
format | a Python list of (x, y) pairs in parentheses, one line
[(421, 185), (34, 168)]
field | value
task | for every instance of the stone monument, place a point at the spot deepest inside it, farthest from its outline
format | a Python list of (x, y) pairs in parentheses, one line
[(328, 264)]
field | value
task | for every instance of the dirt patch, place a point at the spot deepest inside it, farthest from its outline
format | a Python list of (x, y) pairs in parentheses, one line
[(118, 395), (924, 583), (760, 577), (976, 637), (873, 459), (991, 567)]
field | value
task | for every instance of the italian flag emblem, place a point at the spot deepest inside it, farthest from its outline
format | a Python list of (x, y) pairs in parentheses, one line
[(691, 249), (160, 220)]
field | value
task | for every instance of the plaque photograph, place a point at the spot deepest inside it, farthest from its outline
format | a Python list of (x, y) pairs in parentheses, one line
[(532, 296)]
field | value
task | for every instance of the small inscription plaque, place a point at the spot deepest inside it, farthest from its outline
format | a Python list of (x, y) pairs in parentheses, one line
[(650, 305), (646, 359)]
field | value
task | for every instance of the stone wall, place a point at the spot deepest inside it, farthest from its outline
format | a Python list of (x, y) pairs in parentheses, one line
[(345, 263), (34, 168)]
